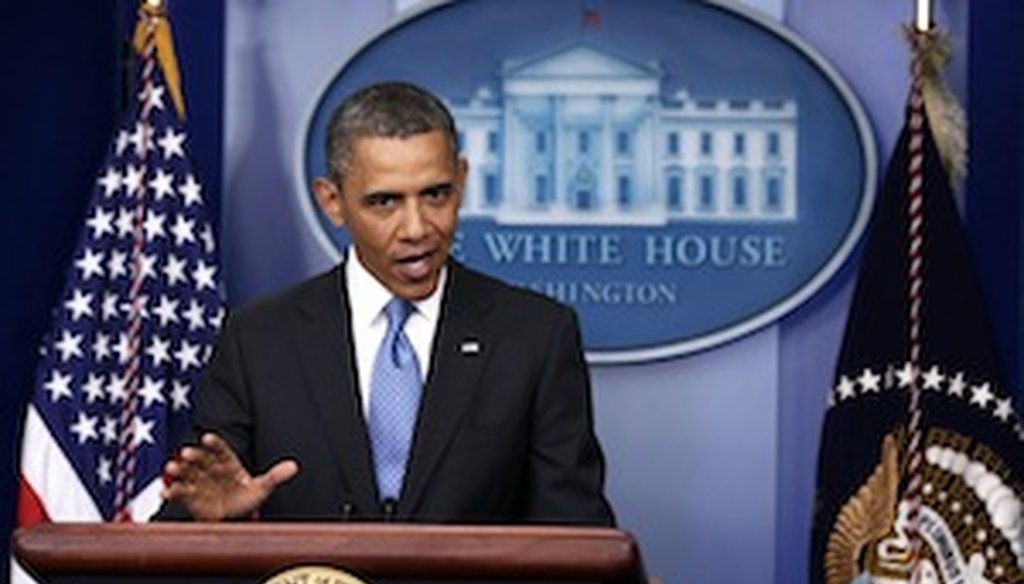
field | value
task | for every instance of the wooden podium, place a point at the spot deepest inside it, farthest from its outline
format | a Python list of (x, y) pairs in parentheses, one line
[(194, 553)]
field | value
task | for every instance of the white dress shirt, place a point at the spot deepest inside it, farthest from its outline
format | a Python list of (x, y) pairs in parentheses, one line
[(367, 298)]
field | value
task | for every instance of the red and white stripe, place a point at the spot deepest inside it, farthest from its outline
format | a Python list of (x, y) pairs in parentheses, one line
[(49, 489)]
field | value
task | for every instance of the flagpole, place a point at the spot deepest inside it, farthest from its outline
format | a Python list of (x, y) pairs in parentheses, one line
[(923, 15)]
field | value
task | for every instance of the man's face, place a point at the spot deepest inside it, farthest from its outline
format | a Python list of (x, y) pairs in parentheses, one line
[(399, 199)]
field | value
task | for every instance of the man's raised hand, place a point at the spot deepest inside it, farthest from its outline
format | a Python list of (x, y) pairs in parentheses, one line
[(211, 482)]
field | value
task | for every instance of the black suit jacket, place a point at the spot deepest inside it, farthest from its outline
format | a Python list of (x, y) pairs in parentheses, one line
[(505, 430)]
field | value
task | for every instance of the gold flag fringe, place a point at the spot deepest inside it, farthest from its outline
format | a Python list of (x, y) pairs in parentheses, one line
[(164, 44), (945, 115)]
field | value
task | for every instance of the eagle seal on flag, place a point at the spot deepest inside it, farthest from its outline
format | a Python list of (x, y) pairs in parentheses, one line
[(970, 520)]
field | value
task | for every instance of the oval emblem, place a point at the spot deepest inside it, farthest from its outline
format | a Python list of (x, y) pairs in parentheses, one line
[(313, 574), (681, 173)]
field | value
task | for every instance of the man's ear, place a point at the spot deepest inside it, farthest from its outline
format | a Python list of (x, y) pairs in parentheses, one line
[(328, 196), (461, 172)]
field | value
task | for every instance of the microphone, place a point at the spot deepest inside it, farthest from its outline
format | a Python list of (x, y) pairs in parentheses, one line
[(348, 510), (390, 508)]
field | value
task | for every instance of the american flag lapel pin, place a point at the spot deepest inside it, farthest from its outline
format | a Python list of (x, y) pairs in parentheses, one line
[(469, 347)]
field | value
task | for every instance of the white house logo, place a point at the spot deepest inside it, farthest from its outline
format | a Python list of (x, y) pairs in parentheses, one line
[(680, 173), (581, 136)]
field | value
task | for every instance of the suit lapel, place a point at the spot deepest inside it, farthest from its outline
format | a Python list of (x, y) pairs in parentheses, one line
[(329, 367), (461, 348)]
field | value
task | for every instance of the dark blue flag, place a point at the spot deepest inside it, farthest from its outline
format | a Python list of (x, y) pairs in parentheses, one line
[(922, 453)]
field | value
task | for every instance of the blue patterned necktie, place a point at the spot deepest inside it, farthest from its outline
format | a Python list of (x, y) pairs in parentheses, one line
[(394, 401)]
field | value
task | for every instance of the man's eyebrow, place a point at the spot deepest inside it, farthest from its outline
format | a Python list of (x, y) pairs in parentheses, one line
[(443, 187), (375, 195)]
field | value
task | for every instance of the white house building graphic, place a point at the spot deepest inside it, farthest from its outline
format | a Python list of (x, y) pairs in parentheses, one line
[(582, 136)]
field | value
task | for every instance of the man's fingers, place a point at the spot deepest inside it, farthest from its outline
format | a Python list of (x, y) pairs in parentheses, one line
[(220, 488), (214, 443), (279, 473), (174, 469), (195, 458), (177, 491), (217, 447), (187, 467), (211, 459), (211, 450)]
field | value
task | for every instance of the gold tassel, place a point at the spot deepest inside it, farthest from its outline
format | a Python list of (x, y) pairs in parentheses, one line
[(947, 119), (164, 42)]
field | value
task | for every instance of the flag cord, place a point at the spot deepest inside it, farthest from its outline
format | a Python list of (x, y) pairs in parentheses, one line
[(915, 276), (126, 452)]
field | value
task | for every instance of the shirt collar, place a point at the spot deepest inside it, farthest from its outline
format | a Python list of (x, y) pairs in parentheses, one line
[(367, 296)]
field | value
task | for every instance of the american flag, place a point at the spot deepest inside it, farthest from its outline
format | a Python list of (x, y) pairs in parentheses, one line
[(135, 324)]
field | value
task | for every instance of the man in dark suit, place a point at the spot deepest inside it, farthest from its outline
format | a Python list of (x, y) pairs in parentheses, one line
[(399, 385)]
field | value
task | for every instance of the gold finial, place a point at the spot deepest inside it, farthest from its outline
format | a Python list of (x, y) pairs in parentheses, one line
[(153, 21)]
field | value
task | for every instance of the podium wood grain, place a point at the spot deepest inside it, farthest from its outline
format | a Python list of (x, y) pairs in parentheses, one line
[(376, 552)]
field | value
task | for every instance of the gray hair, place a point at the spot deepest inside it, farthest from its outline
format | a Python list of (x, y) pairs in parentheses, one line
[(385, 110)]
